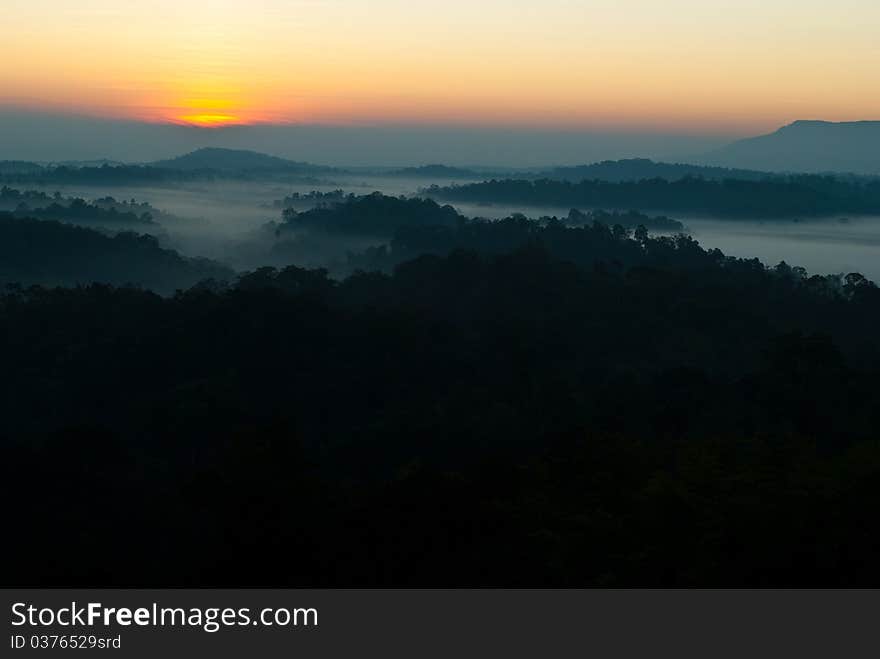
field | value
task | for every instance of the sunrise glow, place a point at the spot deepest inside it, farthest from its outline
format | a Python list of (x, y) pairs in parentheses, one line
[(597, 63)]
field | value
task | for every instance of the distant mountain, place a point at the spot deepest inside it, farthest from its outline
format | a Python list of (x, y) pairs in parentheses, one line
[(435, 171), (637, 169), (64, 136), (808, 146), (82, 164), (14, 167), (234, 160), (777, 197)]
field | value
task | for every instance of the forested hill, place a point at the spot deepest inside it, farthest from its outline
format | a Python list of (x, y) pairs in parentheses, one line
[(382, 215), (591, 243), (370, 215), (235, 160), (637, 169), (106, 212), (54, 254), (202, 164), (792, 196)]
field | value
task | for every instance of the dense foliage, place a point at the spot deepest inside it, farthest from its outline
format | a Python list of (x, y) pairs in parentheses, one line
[(435, 227), (804, 195), (313, 197), (103, 175), (629, 220), (79, 211), (55, 254), (637, 169), (373, 214), (676, 418), (584, 238), (11, 199)]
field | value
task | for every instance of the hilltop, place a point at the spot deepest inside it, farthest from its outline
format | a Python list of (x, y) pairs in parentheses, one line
[(234, 160)]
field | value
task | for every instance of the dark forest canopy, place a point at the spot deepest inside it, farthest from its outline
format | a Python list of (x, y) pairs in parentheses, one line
[(311, 198), (143, 209), (11, 199), (34, 251), (468, 420), (103, 175), (637, 169), (19, 167), (629, 219), (801, 195), (373, 214), (106, 211), (583, 243), (79, 211), (382, 215)]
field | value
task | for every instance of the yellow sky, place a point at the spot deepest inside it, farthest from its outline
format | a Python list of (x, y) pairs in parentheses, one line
[(678, 64)]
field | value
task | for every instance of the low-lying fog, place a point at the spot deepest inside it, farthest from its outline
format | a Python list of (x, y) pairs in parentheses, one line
[(225, 220), (822, 246)]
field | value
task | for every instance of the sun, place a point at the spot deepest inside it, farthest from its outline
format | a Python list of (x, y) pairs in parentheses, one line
[(209, 120)]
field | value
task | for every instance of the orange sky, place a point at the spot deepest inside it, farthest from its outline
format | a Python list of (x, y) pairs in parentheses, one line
[(678, 65)]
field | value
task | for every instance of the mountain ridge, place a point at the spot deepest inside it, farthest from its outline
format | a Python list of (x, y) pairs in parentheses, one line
[(807, 145)]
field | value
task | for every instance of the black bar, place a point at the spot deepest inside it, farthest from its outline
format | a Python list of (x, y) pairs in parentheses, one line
[(462, 623)]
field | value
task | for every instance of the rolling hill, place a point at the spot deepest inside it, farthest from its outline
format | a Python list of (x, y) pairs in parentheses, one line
[(50, 253), (235, 160)]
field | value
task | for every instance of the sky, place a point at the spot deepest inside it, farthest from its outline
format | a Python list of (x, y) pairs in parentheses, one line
[(679, 66)]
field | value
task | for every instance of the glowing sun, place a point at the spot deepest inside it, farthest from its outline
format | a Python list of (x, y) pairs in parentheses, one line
[(210, 120)]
